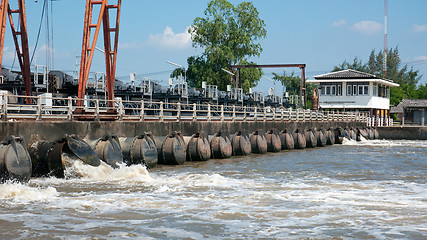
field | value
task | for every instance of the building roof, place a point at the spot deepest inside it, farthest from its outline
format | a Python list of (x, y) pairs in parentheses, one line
[(397, 109), (414, 103), (346, 74), (351, 75)]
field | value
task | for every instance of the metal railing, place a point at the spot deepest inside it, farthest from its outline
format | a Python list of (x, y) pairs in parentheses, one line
[(66, 109)]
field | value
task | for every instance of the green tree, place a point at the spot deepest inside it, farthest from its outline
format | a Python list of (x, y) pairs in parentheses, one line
[(356, 65), (229, 35), (291, 82)]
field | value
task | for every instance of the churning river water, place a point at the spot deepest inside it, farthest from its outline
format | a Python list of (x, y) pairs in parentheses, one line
[(359, 190)]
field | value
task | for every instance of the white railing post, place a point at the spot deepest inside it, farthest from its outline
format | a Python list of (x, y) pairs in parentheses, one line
[(244, 114), (121, 109), (39, 108), (222, 113), (70, 109), (209, 112), (265, 114), (282, 117), (274, 114), (178, 113), (255, 114), (141, 112), (4, 108), (234, 113), (161, 111), (194, 112), (304, 112), (97, 110)]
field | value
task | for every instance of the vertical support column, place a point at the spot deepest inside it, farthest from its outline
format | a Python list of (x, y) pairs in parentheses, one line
[(88, 48), (234, 113), (121, 109), (244, 114), (274, 114), (97, 110), (20, 38), (178, 112), (303, 118), (39, 108), (265, 114), (70, 109), (423, 114), (4, 108), (222, 113), (209, 112), (161, 111), (403, 117), (282, 117), (385, 117), (141, 112), (194, 112), (255, 114)]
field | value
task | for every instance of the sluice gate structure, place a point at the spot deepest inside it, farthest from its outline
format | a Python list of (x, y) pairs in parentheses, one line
[(53, 117), (47, 137)]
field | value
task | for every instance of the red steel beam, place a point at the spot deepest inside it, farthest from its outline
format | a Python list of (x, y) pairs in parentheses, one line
[(19, 37), (88, 47)]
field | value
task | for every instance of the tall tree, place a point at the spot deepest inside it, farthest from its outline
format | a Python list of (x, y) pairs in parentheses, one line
[(229, 35)]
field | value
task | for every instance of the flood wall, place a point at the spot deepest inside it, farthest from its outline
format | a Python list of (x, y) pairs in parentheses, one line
[(46, 130)]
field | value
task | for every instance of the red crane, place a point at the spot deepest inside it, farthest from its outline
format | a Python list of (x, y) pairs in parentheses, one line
[(19, 36), (89, 46)]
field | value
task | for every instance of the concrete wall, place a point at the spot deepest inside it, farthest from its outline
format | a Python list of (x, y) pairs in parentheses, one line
[(41, 130), (405, 132)]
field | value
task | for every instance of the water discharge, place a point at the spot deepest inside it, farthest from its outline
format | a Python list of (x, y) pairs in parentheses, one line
[(367, 189)]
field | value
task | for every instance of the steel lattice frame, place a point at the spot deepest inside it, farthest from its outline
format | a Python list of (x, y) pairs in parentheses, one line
[(20, 36), (88, 47)]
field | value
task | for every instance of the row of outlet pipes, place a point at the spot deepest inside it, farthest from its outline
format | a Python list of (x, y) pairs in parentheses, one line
[(20, 161)]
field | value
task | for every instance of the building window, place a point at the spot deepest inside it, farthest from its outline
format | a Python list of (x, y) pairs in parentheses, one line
[(349, 90), (366, 90), (360, 90), (333, 90), (339, 92), (328, 90), (375, 90), (354, 89)]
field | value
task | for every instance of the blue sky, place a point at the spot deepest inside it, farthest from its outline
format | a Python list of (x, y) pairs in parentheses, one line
[(321, 34)]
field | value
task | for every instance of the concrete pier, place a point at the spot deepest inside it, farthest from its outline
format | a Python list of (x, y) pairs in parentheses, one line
[(47, 130)]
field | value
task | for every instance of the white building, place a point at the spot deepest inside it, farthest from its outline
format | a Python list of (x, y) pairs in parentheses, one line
[(358, 91)]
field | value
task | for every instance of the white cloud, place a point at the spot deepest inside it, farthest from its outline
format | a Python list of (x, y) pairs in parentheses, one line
[(367, 27), (339, 23), (421, 58), (169, 39), (419, 28)]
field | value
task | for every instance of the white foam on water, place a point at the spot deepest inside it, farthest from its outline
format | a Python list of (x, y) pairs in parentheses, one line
[(104, 172), (385, 143), (21, 193)]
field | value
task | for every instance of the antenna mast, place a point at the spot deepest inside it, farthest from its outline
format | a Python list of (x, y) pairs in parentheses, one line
[(385, 39)]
